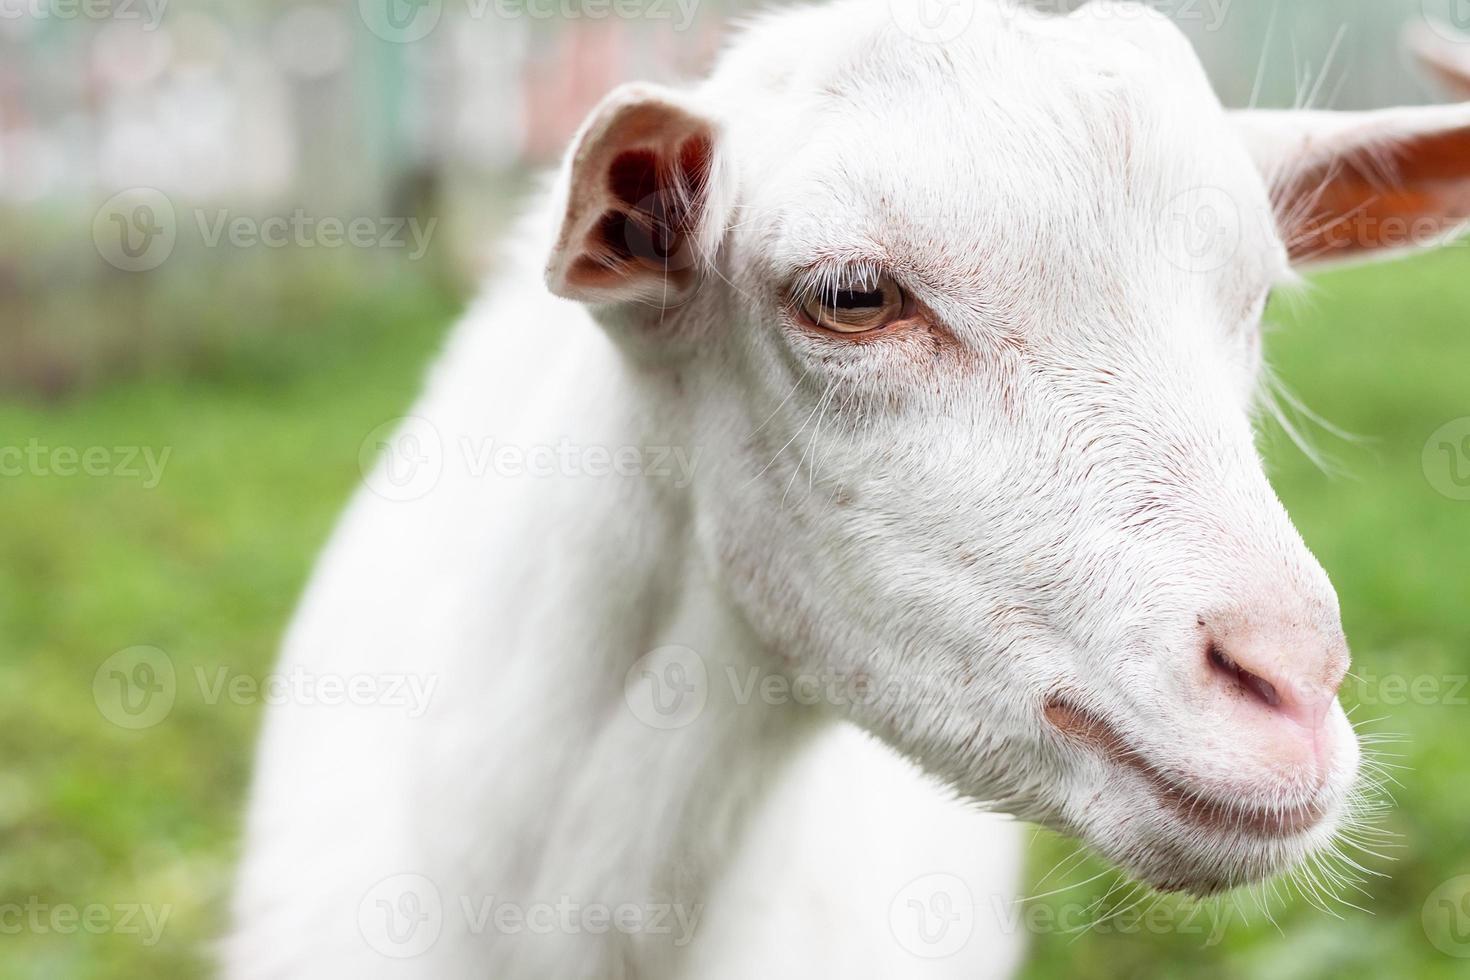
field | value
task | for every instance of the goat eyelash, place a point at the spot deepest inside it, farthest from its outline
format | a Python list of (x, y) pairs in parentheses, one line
[(826, 280)]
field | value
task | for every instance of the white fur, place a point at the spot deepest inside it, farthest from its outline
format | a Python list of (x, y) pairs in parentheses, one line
[(1050, 495)]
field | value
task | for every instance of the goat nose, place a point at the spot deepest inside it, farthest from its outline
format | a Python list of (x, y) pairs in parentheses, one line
[(1288, 673), (1300, 700)]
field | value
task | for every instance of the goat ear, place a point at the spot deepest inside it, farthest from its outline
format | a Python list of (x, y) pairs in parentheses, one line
[(635, 202), (1354, 186)]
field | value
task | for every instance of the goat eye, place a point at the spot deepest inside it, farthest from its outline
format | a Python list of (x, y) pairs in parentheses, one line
[(856, 307)]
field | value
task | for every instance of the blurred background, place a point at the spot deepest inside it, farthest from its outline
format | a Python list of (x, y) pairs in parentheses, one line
[(232, 237)]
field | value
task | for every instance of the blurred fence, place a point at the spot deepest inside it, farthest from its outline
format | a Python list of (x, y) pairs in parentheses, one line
[(391, 109), (254, 101), (326, 104)]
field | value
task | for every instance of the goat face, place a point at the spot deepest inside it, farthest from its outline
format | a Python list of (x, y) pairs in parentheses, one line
[(967, 333)]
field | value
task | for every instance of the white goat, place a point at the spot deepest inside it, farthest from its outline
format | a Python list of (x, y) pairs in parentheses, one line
[(898, 392)]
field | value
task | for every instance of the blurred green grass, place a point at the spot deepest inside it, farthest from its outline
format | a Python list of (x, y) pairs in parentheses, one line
[(206, 566), (264, 437)]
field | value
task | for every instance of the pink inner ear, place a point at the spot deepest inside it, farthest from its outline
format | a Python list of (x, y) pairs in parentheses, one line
[(633, 176), (1415, 194), (656, 201), (694, 163)]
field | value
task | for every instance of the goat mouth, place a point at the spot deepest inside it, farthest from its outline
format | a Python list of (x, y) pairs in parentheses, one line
[(1189, 804)]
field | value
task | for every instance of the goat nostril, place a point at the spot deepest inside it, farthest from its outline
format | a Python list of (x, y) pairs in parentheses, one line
[(1258, 687)]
